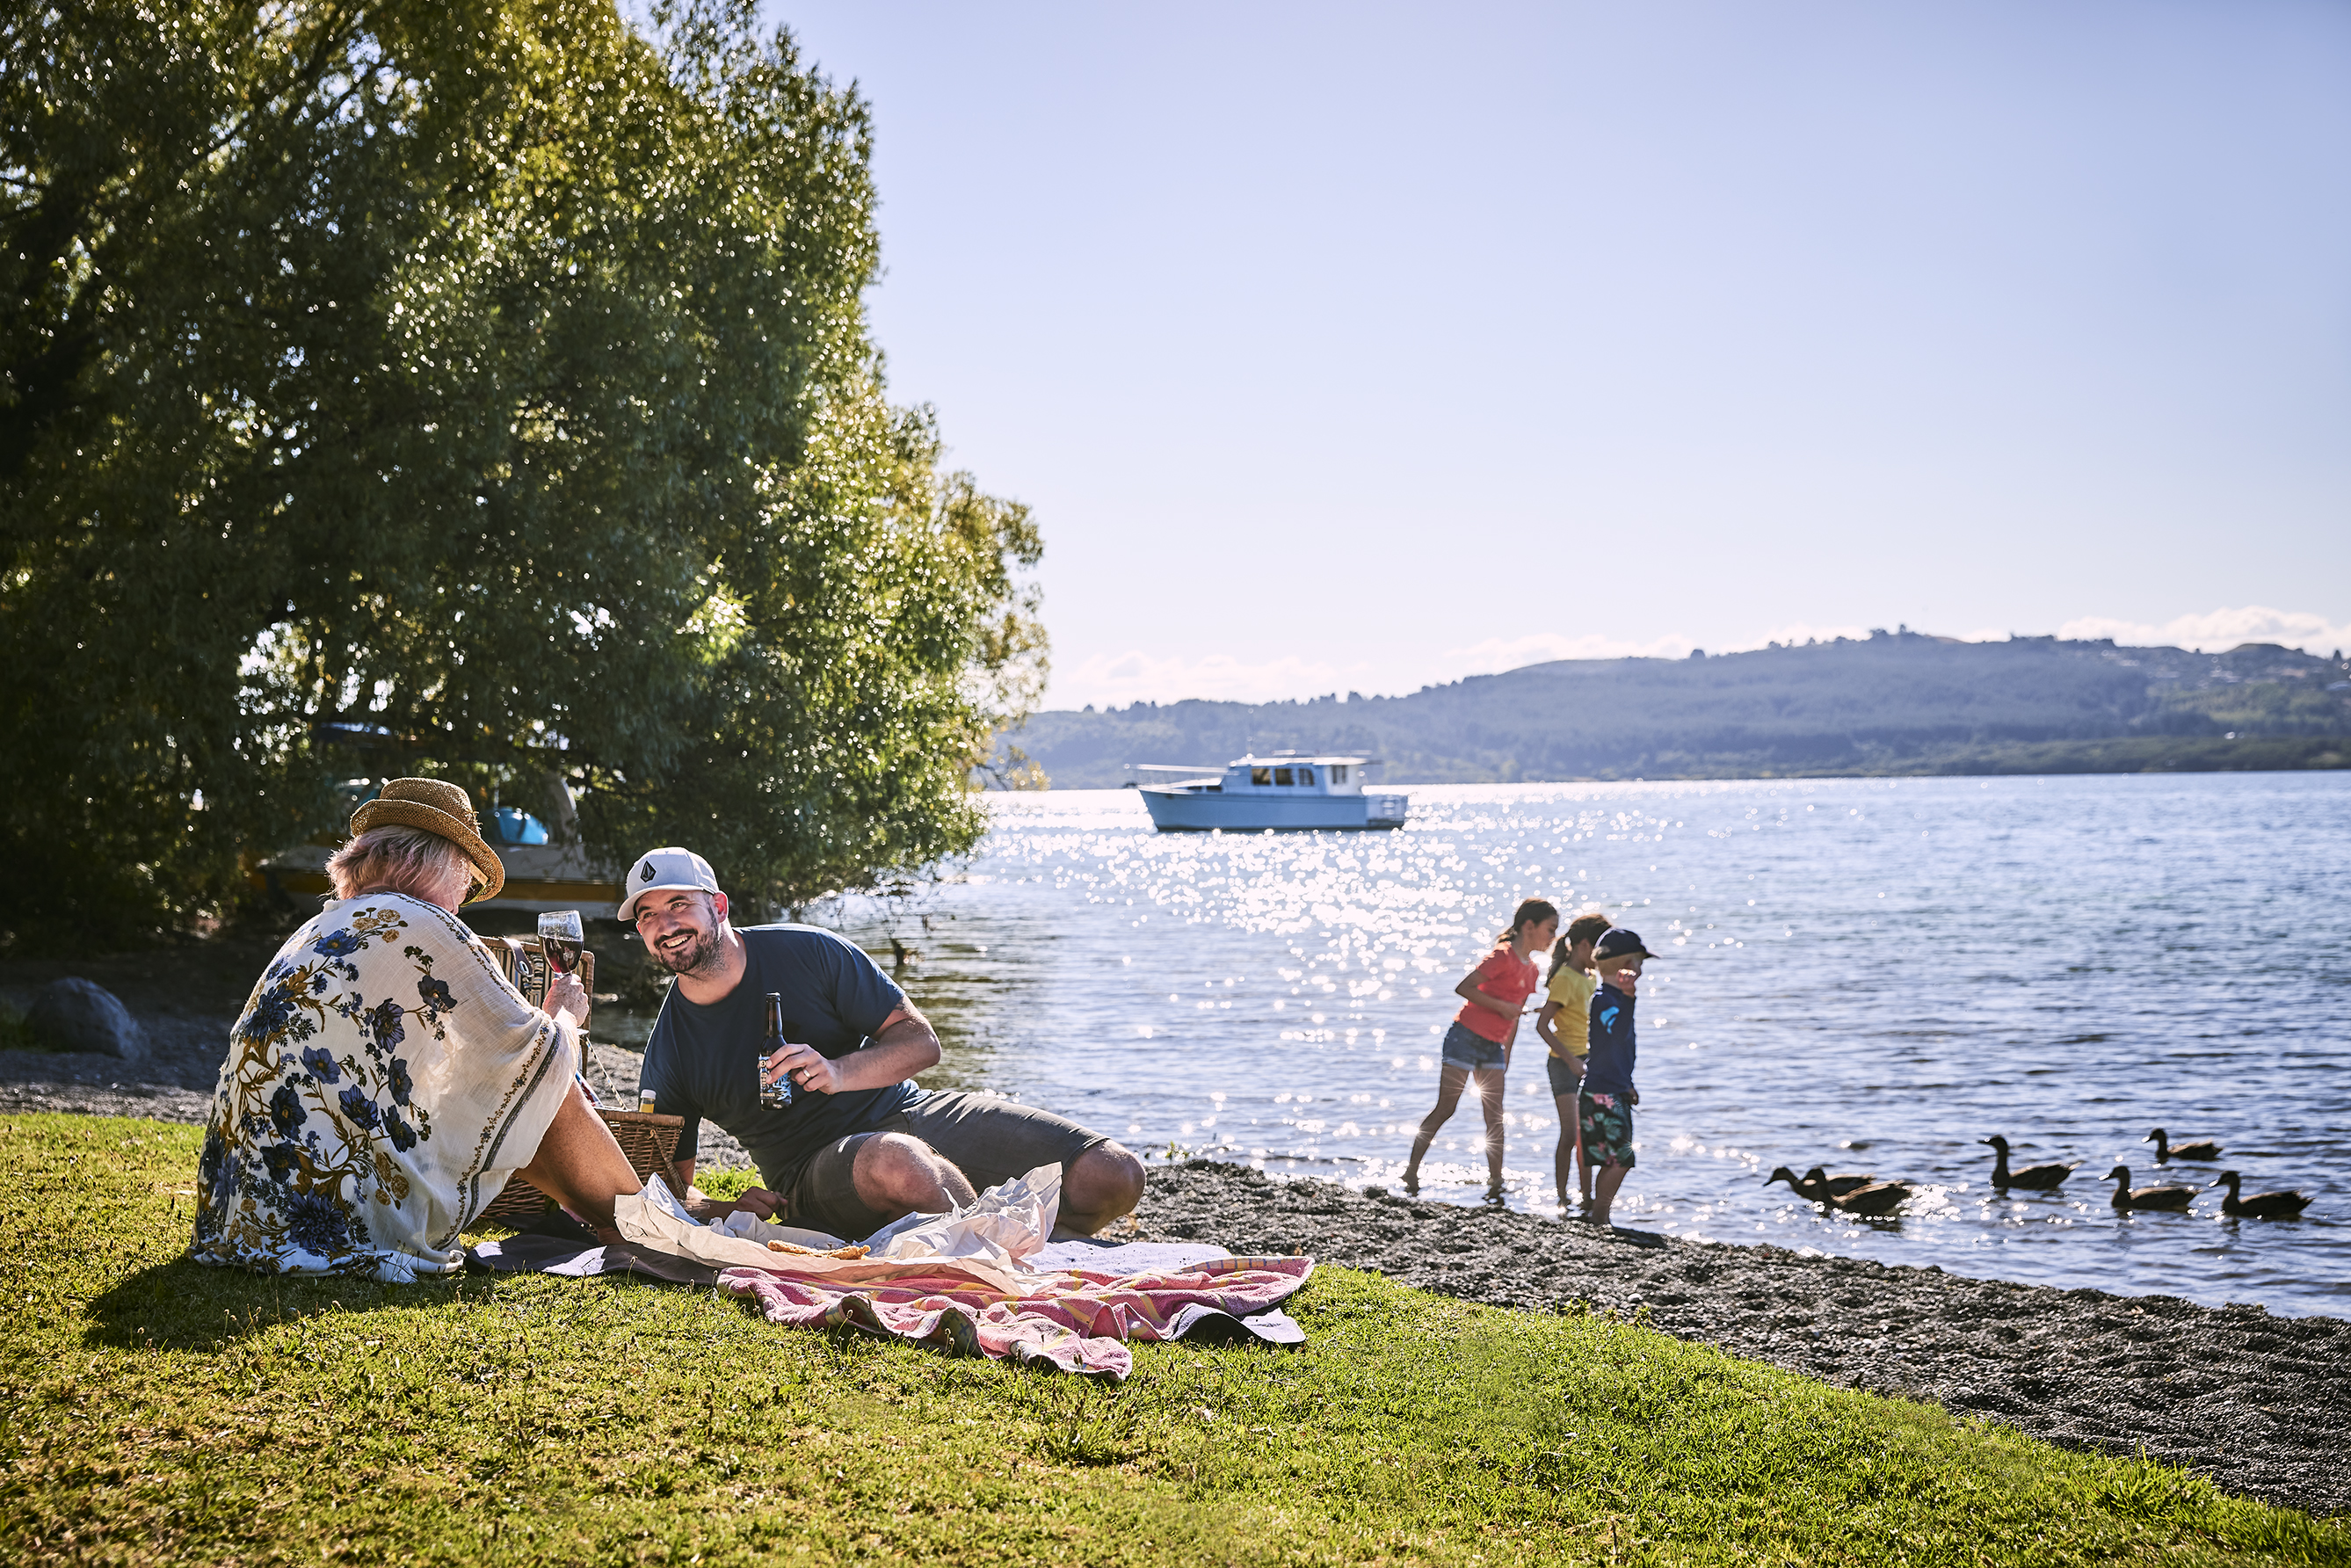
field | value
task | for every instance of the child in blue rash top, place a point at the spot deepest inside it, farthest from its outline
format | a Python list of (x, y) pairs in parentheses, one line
[(1605, 1104)]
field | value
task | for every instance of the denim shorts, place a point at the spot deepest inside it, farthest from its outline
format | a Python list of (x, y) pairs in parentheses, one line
[(1465, 1047), (1566, 1076)]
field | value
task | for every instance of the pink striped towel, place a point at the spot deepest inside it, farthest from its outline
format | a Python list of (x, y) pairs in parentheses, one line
[(1079, 1321)]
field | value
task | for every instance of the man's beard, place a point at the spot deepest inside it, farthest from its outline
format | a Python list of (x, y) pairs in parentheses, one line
[(693, 958)]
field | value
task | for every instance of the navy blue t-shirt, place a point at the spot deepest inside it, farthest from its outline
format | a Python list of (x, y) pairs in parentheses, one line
[(702, 1059), (1608, 1070)]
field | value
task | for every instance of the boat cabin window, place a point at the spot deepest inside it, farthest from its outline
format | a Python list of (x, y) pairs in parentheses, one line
[(1338, 773), (1306, 776), (1261, 776), (1282, 774)]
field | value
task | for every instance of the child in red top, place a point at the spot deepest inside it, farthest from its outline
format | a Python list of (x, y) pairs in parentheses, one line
[(1478, 1043)]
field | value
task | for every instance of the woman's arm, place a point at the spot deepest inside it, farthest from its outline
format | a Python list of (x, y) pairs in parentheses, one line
[(1546, 1030)]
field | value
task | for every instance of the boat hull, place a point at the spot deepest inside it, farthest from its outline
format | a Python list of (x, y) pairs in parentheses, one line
[(1189, 811)]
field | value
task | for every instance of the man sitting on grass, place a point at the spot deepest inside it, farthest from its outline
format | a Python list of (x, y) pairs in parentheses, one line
[(860, 1144)]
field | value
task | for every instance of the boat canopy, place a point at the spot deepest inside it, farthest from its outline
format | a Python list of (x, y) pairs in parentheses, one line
[(1277, 770)]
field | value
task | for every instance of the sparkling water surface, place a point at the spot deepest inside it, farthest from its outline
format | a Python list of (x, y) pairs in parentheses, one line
[(1867, 974)]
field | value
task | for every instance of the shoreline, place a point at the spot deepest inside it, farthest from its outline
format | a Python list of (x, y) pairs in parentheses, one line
[(2256, 1402)]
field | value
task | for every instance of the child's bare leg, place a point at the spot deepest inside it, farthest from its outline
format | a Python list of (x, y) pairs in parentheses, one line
[(1611, 1176), (1582, 1158), (1489, 1090), (1449, 1081), (1570, 1146)]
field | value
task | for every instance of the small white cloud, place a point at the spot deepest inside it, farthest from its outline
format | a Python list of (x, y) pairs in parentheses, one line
[(1499, 654), (1114, 680), (2220, 631)]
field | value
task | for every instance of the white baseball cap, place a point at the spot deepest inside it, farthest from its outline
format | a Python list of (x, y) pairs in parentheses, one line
[(665, 870)]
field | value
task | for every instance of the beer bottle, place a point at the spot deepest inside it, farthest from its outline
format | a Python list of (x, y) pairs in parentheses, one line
[(779, 1093)]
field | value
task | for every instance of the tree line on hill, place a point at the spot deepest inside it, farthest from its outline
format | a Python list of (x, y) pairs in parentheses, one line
[(1892, 702), (477, 390)]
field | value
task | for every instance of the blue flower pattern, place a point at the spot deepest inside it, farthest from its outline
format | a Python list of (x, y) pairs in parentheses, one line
[(294, 1167), (357, 1109)]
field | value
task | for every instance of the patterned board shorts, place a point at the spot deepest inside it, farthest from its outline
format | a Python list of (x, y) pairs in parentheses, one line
[(1465, 1047), (1607, 1129)]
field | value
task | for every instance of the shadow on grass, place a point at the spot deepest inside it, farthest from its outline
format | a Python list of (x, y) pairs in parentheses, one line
[(186, 1305)]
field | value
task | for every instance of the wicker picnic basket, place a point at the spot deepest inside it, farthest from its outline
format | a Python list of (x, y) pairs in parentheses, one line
[(648, 1138)]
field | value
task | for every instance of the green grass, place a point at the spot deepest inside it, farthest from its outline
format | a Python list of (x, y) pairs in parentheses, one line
[(153, 1410)]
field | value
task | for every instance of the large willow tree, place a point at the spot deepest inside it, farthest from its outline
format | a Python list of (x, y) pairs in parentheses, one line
[(488, 384)]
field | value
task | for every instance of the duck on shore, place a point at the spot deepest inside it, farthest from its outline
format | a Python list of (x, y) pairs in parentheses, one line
[(2033, 1179), (2175, 1198), (2166, 1150), (2260, 1205)]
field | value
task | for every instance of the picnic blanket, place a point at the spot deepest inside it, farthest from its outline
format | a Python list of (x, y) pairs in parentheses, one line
[(1081, 1320), (978, 1281)]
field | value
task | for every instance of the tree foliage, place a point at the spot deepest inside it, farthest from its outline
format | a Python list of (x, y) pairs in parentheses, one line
[(488, 382)]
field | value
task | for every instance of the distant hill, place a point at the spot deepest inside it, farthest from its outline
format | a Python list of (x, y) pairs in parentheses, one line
[(1892, 702)]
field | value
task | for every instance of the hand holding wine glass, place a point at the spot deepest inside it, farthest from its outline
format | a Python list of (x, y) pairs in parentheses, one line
[(560, 937), (567, 997)]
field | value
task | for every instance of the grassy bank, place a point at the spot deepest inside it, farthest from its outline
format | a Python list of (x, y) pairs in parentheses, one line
[(149, 1409)]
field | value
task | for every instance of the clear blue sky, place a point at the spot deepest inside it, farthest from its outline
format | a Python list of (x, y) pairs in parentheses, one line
[(1353, 346)]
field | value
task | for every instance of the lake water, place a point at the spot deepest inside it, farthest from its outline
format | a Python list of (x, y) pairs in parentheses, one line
[(1867, 974)]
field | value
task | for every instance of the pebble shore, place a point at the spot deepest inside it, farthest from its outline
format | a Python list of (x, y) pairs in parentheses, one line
[(2258, 1403)]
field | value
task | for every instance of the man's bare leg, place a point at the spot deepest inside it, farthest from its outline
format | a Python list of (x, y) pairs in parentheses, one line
[(895, 1174), (1099, 1185), (579, 1165)]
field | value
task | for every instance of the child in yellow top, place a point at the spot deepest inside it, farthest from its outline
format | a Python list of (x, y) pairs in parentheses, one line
[(1568, 997)]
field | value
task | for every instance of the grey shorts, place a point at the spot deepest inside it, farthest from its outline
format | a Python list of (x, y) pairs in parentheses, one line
[(1566, 1077), (988, 1138)]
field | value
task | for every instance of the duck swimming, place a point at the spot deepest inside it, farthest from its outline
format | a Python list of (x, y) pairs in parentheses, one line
[(1873, 1201), (2127, 1196), (2167, 1151), (1861, 1195), (1795, 1182), (1817, 1184), (2033, 1179), (2260, 1205)]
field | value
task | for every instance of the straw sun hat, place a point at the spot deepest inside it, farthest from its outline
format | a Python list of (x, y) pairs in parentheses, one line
[(437, 807)]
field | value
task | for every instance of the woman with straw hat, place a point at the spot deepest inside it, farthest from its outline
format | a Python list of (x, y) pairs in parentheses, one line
[(385, 1081)]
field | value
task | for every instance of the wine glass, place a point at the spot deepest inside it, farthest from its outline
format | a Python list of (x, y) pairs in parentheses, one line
[(560, 937)]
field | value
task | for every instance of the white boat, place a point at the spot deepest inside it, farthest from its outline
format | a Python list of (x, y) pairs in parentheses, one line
[(1284, 792)]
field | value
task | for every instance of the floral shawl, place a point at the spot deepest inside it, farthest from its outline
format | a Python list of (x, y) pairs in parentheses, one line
[(382, 1085)]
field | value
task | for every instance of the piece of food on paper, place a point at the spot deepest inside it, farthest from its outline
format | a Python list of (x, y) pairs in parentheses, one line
[(846, 1254)]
